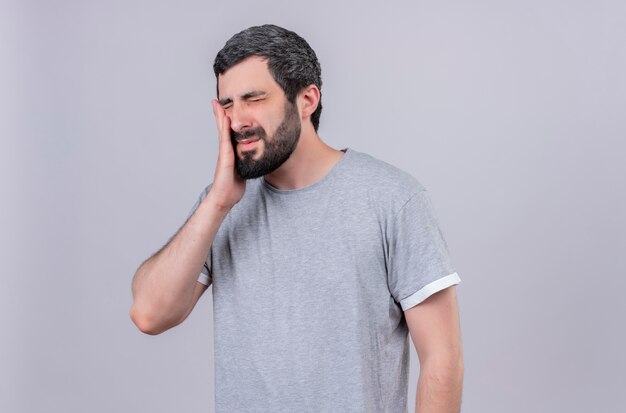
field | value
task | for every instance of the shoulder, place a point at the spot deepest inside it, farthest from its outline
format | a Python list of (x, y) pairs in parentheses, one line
[(381, 178)]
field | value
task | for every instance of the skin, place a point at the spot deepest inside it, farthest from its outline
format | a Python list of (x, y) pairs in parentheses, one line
[(435, 330), (312, 158), (164, 288)]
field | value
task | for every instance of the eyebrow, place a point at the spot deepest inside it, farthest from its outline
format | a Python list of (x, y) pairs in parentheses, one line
[(245, 96)]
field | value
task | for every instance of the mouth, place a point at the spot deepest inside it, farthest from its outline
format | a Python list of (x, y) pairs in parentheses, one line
[(247, 143)]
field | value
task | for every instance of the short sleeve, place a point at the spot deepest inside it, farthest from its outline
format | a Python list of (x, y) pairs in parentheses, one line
[(418, 264), (205, 274)]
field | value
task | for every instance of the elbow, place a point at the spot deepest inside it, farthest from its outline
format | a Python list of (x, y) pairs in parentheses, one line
[(448, 369), (454, 368), (460, 371), (151, 316), (145, 322)]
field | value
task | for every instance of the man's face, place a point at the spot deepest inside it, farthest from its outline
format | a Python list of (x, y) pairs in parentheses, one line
[(256, 105)]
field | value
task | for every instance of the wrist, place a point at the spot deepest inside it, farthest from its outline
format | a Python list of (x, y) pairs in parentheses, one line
[(217, 203)]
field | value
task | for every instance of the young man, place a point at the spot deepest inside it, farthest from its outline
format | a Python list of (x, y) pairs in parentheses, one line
[(322, 261)]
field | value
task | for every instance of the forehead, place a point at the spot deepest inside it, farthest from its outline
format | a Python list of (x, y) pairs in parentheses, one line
[(251, 73)]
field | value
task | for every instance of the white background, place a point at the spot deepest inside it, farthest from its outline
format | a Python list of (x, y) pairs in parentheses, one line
[(511, 114)]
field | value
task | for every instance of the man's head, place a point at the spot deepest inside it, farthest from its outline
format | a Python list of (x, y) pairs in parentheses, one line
[(290, 59), (261, 71)]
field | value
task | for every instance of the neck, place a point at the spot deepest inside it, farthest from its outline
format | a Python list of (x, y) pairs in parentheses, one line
[(310, 161)]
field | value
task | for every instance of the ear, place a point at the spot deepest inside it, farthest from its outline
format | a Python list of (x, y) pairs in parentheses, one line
[(308, 99)]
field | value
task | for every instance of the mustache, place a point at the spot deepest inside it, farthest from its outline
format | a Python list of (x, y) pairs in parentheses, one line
[(248, 133)]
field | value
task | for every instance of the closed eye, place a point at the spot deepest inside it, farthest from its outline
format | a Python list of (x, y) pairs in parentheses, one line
[(253, 95)]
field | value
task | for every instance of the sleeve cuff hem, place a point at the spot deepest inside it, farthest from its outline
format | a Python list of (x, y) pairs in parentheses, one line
[(204, 279), (429, 290)]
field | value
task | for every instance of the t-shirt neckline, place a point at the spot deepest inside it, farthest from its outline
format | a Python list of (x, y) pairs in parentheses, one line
[(329, 175)]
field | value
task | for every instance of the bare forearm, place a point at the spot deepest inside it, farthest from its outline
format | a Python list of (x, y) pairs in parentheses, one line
[(163, 285), (439, 387)]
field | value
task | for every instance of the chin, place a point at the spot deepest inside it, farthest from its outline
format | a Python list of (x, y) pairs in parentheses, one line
[(255, 154)]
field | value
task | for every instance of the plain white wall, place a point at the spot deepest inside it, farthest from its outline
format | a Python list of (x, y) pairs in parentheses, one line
[(511, 113)]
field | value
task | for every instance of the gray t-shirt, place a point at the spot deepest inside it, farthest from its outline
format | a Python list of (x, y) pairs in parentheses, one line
[(309, 288)]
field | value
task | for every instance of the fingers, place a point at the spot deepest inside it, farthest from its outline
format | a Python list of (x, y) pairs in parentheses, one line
[(225, 137), (223, 128), (218, 111)]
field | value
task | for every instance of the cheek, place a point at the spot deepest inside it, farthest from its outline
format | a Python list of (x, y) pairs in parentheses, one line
[(273, 120)]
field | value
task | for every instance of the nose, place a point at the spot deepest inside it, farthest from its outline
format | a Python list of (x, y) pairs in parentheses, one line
[(239, 117)]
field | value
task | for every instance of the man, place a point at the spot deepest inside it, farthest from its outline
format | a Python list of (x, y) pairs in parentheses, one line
[(322, 261)]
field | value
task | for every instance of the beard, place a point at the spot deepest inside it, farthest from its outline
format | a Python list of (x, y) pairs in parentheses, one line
[(276, 150)]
